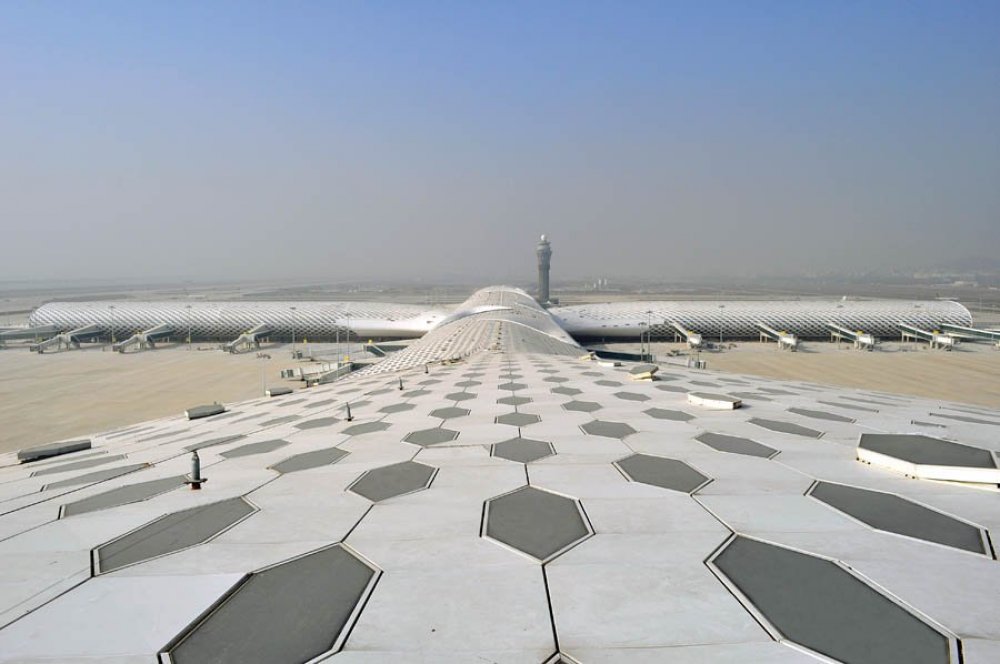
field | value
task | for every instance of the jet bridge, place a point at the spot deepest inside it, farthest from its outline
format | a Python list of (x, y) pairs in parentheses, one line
[(693, 339), (933, 337), (249, 340), (785, 340), (20, 333), (68, 340), (861, 340), (145, 339), (972, 333)]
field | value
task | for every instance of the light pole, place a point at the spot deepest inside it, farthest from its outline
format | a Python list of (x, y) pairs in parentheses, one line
[(188, 307), (293, 330), (112, 308)]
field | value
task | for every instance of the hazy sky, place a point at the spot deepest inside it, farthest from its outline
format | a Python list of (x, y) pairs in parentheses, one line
[(404, 139)]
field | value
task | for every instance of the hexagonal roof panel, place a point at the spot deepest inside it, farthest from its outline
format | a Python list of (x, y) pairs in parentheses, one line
[(820, 415), (460, 396), (291, 612), (736, 445), (927, 451), (568, 391), (171, 533), (254, 448), (582, 406), (632, 396), (514, 401), (309, 460), (895, 514), (366, 427), (396, 408), (607, 429), (666, 414), (535, 522), (131, 493), (608, 383), (785, 427), (512, 387), (518, 419), (450, 412), (317, 423), (662, 472), (523, 450), (820, 605), (428, 437), (397, 479)]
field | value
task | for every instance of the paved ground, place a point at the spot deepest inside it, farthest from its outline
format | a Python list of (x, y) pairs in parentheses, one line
[(969, 375), (93, 391), (63, 395)]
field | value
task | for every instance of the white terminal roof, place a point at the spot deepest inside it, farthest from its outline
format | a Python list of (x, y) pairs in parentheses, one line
[(518, 505)]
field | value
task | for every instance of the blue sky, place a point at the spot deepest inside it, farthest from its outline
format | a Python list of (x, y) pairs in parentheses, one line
[(411, 140)]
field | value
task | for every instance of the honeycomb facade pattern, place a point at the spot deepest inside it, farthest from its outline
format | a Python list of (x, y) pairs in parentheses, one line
[(608, 530)]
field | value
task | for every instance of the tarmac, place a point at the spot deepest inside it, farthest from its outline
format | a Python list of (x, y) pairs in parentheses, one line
[(72, 394)]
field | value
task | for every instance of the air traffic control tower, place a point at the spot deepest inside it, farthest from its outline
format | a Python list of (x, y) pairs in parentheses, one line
[(544, 251)]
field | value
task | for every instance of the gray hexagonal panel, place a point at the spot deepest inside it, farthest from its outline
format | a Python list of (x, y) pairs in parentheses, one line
[(518, 419), (607, 429), (460, 396), (608, 383), (785, 427), (568, 391), (396, 480), (514, 401), (77, 465), (894, 514), (96, 476), (632, 396), (582, 406), (309, 460), (366, 427), (396, 408), (818, 604), (132, 493), (291, 612), (736, 445), (254, 448), (925, 450), (820, 415), (317, 423), (428, 437), (662, 472), (171, 533), (512, 387), (523, 450), (666, 414), (536, 522), (450, 413)]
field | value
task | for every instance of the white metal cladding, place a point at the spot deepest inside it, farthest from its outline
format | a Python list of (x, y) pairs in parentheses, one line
[(738, 319), (220, 320), (321, 320), (493, 318)]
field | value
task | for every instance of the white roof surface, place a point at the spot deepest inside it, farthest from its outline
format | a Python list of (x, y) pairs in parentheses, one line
[(629, 535)]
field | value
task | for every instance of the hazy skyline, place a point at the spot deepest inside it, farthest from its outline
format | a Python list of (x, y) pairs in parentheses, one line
[(402, 140)]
